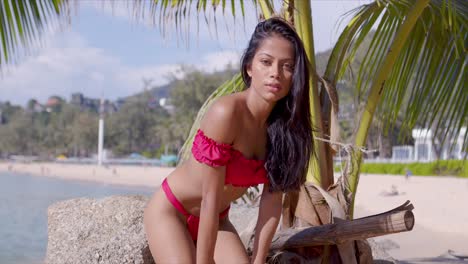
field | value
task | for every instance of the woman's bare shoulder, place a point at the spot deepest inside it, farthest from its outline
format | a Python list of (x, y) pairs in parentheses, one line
[(221, 120)]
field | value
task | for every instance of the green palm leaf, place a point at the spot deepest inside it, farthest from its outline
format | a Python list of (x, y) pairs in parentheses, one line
[(23, 22), (177, 14), (421, 68), (428, 78)]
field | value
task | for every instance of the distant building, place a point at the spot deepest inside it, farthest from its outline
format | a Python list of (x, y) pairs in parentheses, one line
[(423, 145), (119, 103), (38, 107), (34, 106), (402, 153), (457, 151), (84, 103), (424, 148), (91, 104), (53, 103), (164, 103), (77, 99)]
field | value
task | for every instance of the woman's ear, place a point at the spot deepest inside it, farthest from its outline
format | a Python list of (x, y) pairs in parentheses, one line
[(249, 70)]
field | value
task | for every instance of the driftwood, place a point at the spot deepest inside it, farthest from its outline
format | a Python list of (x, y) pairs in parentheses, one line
[(400, 219), (317, 227)]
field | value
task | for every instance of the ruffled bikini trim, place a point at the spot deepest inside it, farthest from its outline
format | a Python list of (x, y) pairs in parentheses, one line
[(211, 141), (208, 151)]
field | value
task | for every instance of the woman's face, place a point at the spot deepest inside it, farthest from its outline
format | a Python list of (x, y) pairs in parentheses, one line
[(272, 68)]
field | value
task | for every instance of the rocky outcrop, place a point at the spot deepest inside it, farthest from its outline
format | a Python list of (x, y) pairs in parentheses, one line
[(110, 230)]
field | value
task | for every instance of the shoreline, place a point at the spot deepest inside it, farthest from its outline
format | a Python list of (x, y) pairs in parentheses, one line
[(122, 175), (441, 223)]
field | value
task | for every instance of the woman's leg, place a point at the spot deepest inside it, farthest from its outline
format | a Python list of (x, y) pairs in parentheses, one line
[(166, 231), (229, 247)]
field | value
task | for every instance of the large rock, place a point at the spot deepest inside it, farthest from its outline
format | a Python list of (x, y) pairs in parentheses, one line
[(109, 230)]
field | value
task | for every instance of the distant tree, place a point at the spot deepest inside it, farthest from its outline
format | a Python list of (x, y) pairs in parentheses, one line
[(84, 134), (188, 95), (8, 110), (16, 137), (31, 104), (132, 128)]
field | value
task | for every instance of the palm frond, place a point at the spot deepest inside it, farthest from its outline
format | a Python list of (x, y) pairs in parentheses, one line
[(176, 16), (415, 59), (22, 23), (428, 79), (429, 76)]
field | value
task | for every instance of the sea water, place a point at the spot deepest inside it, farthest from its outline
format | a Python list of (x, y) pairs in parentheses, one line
[(23, 211)]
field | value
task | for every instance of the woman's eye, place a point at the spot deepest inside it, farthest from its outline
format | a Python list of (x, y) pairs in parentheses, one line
[(265, 62), (288, 66)]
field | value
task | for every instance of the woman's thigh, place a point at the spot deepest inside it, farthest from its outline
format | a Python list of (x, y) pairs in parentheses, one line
[(229, 247), (167, 234)]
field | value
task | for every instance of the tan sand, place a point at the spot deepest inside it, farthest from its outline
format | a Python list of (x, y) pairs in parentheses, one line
[(441, 212), (441, 209), (147, 176)]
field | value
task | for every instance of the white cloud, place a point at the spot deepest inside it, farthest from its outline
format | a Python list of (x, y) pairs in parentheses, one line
[(70, 65), (219, 60)]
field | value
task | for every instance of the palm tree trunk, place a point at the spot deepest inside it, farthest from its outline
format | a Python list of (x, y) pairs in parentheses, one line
[(378, 85)]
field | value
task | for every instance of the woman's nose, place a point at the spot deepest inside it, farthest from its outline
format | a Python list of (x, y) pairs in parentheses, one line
[(274, 71)]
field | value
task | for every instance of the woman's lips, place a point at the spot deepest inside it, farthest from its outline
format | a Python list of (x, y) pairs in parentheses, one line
[(273, 87)]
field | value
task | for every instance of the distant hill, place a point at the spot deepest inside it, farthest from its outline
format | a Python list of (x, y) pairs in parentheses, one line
[(152, 94), (164, 91)]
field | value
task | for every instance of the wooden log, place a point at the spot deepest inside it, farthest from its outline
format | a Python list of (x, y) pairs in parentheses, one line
[(400, 219)]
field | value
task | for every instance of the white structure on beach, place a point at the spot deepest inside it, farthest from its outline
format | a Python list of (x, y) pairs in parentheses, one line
[(424, 147), (101, 133), (402, 153)]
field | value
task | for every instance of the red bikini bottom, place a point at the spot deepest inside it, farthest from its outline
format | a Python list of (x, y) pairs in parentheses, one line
[(192, 220)]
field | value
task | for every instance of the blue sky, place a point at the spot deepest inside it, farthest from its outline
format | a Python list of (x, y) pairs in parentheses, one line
[(105, 52)]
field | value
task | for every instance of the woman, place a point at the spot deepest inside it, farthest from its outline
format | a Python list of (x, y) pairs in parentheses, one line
[(258, 136)]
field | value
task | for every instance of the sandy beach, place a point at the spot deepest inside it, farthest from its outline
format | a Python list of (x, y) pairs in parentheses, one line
[(441, 210), (146, 176)]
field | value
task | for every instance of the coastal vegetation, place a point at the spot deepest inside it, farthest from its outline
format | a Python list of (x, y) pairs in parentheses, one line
[(457, 168), (138, 125)]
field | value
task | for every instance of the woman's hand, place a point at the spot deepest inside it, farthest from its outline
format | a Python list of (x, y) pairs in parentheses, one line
[(267, 222)]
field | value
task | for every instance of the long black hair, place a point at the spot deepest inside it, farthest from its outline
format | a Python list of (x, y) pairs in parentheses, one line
[(289, 143)]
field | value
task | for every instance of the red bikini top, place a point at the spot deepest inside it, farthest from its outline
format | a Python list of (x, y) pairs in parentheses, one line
[(240, 171)]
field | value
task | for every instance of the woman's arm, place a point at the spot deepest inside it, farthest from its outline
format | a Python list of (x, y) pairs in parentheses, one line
[(212, 188), (218, 124), (268, 219)]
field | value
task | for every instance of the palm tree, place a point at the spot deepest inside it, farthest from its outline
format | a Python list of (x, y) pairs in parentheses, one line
[(416, 59)]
